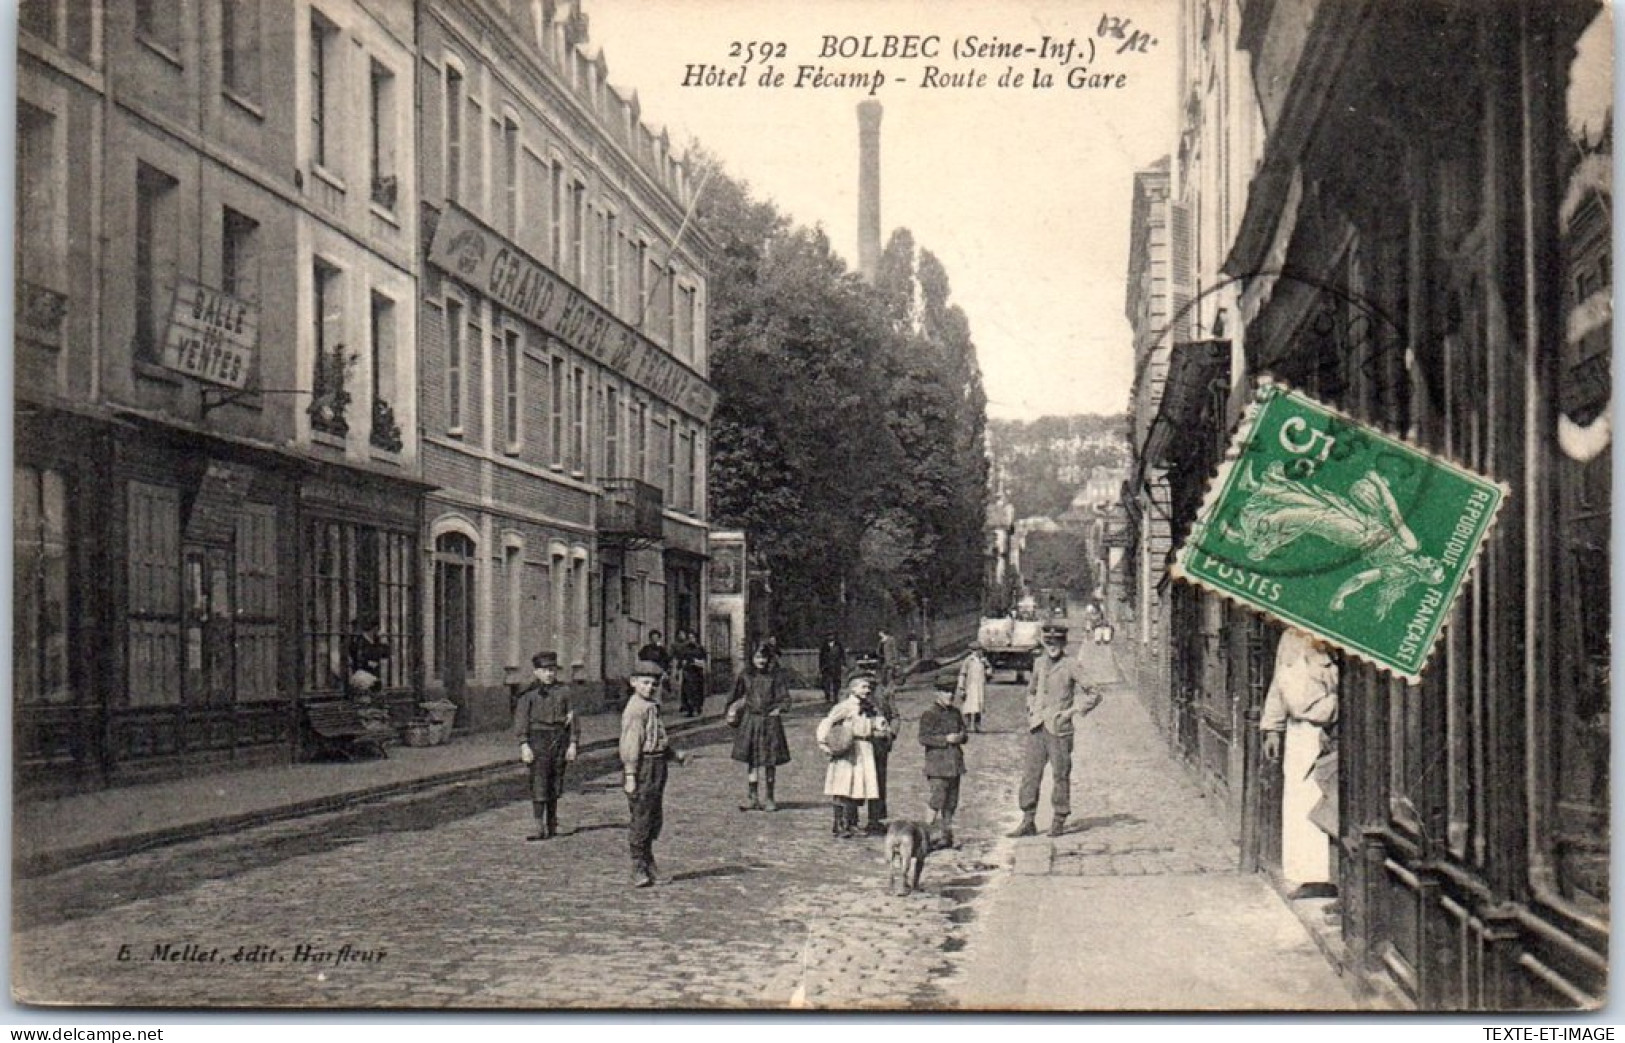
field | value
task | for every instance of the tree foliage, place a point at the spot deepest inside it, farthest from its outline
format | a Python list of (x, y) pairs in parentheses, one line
[(848, 439)]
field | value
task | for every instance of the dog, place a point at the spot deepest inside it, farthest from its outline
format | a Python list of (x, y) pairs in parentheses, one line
[(907, 845)]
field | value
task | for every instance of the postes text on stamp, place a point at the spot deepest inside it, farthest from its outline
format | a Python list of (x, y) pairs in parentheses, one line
[(1337, 528)]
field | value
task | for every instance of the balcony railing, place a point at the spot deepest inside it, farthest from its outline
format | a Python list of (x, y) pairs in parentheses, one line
[(631, 510)]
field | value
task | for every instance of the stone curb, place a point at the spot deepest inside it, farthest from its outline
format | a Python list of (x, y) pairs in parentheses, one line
[(47, 862)]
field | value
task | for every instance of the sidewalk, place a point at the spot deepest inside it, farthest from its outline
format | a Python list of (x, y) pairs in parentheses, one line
[(53, 834), (1140, 905)]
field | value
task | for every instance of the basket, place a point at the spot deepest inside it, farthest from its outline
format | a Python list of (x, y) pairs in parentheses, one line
[(839, 739)]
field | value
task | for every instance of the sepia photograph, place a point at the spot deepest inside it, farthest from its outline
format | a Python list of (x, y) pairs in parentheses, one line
[(880, 506)]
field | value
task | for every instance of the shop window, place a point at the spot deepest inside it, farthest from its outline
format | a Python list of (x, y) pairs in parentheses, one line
[(258, 612), (39, 598), (355, 574)]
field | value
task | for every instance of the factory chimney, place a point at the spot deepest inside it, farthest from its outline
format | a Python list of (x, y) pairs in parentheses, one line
[(869, 189)]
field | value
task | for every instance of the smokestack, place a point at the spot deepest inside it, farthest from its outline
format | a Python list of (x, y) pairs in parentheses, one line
[(869, 188)]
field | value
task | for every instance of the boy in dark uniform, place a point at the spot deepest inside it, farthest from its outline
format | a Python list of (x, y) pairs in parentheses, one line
[(547, 730), (942, 733)]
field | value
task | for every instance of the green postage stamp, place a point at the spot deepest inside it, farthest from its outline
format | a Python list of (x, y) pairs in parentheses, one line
[(1337, 528)]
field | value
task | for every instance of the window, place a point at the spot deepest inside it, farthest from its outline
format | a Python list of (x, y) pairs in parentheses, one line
[(691, 501), (612, 432), (240, 48), (239, 255), (454, 366), (40, 611), (159, 22), (381, 136), (454, 134), (41, 226), (356, 573), (558, 412), (510, 176), (513, 361), (156, 253), (578, 416), (556, 215), (685, 323), (513, 574), (386, 428), (641, 303), (671, 461), (329, 396), (323, 84), (611, 259), (640, 441)]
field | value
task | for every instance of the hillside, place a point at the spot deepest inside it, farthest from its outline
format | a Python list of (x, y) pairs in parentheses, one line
[(1043, 462)]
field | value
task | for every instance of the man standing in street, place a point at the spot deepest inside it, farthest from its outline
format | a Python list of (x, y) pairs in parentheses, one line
[(644, 751), (1057, 694), (831, 665), (547, 730), (1301, 707), (886, 649)]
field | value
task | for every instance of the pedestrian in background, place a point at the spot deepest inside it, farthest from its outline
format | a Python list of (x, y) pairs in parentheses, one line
[(886, 651), (548, 730), (688, 664), (645, 751), (759, 744), (1057, 695), (850, 779), (972, 686), (942, 733), (831, 665)]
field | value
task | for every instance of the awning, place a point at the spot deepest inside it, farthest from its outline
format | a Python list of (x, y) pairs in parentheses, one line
[(1187, 397)]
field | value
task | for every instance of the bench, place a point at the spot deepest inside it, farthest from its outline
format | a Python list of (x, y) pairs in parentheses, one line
[(337, 728)]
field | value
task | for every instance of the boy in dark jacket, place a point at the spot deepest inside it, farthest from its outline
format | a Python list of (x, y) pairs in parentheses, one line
[(942, 733)]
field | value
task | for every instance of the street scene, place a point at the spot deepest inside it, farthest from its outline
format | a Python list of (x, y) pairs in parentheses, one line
[(753, 909), (583, 505)]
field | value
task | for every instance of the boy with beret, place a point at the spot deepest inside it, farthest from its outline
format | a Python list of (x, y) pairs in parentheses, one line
[(645, 750), (942, 733)]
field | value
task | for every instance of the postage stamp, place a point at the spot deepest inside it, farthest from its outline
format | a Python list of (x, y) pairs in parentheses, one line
[(1335, 527)]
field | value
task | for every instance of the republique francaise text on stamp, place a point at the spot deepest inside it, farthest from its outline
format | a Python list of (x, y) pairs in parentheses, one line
[(1332, 526)]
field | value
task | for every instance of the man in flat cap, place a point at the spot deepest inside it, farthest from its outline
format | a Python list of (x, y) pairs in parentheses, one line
[(547, 729), (1057, 695), (644, 750)]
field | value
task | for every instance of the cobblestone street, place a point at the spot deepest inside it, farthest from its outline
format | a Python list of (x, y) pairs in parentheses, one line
[(434, 900), (753, 910)]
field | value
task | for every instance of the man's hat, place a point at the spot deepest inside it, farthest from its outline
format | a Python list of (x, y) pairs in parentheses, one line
[(647, 668), (1054, 632), (541, 659), (863, 674), (867, 660)]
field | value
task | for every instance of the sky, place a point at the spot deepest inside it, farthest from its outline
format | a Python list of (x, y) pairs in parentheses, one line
[(1023, 193)]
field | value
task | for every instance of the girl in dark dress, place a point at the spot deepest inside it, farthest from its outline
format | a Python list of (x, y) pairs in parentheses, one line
[(760, 744)]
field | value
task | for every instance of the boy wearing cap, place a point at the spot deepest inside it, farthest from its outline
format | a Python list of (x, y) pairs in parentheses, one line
[(547, 730), (645, 749), (942, 733), (1057, 694)]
